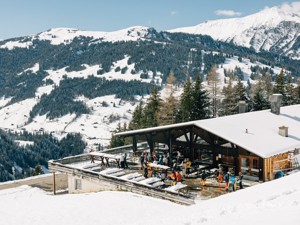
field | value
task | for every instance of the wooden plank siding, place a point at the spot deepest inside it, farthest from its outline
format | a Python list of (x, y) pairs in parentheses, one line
[(274, 164)]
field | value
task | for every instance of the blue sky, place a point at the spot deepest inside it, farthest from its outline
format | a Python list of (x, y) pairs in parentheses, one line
[(27, 17)]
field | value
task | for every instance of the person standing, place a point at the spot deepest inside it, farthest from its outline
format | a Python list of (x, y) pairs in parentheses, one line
[(125, 161), (232, 184), (122, 161), (178, 176), (240, 179), (142, 157), (188, 166), (146, 169), (161, 160), (183, 166), (220, 173), (165, 160), (203, 178), (226, 179)]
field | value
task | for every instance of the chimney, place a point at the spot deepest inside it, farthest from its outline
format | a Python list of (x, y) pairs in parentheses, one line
[(283, 131), (243, 107), (275, 100)]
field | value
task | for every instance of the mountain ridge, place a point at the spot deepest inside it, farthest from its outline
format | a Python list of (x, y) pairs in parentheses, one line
[(64, 35), (273, 29)]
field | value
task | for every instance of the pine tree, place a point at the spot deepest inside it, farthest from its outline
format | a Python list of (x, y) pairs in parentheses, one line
[(150, 112), (186, 103), (201, 102), (297, 92), (37, 170), (260, 102), (137, 117), (291, 94), (117, 141), (279, 87), (240, 92)]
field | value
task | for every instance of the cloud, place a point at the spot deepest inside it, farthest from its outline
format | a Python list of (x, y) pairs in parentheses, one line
[(227, 13), (173, 13), (293, 7)]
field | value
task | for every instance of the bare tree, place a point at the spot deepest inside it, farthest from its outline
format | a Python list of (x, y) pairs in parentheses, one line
[(214, 90), (170, 104)]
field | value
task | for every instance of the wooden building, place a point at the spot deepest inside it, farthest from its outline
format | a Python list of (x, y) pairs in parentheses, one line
[(259, 144)]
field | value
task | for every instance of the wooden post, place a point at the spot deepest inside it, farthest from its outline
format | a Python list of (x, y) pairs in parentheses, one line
[(54, 185), (134, 144)]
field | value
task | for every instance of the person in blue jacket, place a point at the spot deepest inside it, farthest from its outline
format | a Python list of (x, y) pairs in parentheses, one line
[(226, 179), (232, 181)]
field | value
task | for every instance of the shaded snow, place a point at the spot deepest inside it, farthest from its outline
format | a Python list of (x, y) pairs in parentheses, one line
[(35, 68), (24, 143), (276, 203)]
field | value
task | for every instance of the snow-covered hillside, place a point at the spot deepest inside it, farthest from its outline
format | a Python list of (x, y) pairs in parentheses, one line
[(58, 36), (276, 202), (274, 28), (96, 128), (106, 112)]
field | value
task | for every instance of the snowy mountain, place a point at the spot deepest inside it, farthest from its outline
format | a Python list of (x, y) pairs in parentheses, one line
[(58, 36), (275, 29)]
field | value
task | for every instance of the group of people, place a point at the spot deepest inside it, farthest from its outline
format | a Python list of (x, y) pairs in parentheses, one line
[(231, 181), (229, 178), (145, 158), (175, 176), (184, 168)]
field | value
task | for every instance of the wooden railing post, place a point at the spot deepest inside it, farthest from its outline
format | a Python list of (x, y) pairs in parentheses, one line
[(54, 185)]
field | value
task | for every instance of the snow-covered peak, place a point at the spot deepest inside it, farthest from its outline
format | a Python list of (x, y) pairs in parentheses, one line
[(64, 35), (276, 27), (290, 12), (224, 28)]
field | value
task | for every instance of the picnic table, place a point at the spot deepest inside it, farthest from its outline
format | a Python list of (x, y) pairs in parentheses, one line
[(104, 158), (158, 166)]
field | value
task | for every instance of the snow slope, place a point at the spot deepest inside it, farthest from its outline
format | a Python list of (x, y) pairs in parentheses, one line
[(276, 27), (276, 202)]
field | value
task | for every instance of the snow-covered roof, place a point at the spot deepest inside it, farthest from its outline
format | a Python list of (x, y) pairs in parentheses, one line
[(262, 137)]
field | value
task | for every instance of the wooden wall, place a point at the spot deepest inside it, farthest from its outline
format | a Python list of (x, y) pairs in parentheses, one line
[(274, 164)]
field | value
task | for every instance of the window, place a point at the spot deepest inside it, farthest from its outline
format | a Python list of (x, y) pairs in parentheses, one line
[(77, 184), (250, 166)]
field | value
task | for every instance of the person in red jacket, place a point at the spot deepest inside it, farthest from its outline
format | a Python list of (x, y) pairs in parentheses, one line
[(178, 176)]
